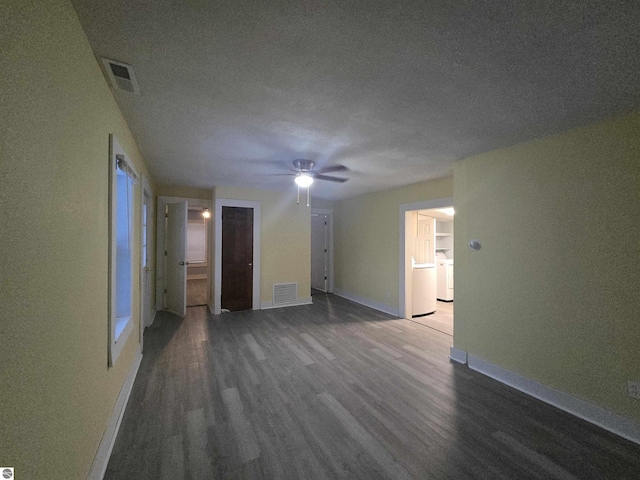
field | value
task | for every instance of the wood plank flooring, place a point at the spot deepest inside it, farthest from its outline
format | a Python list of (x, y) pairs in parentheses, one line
[(196, 292), (336, 390), (441, 319)]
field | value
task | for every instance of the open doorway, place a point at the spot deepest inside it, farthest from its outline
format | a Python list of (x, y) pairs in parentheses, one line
[(197, 258), (176, 249), (441, 254), (426, 264)]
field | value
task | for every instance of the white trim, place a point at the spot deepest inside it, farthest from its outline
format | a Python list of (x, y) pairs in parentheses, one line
[(407, 207), (146, 193), (367, 302), (266, 305), (458, 355), (329, 213), (614, 423), (118, 345), (228, 202), (163, 201), (101, 459), (115, 345)]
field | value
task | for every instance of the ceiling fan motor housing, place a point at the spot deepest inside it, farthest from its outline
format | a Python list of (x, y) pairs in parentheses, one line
[(304, 165)]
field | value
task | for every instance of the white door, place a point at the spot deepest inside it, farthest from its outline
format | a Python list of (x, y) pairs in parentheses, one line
[(424, 246), (319, 252), (176, 259), (147, 308)]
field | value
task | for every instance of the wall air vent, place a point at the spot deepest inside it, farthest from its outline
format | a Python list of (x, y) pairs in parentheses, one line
[(285, 293), (121, 76)]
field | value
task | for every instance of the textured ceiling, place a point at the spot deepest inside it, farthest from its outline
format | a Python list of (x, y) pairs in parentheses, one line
[(233, 91)]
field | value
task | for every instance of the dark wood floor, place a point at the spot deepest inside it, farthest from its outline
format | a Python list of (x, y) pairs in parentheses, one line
[(336, 390)]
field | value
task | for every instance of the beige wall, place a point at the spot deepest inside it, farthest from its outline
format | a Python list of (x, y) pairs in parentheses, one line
[(185, 192), (553, 293), (285, 238), (367, 239), (57, 112), (320, 202)]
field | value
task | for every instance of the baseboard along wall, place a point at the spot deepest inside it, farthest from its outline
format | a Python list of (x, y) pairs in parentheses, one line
[(367, 302), (101, 459), (612, 422)]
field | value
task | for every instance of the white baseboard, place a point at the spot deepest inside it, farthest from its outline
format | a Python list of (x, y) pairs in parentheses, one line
[(599, 416), (367, 302), (210, 305), (101, 460), (458, 355), (301, 301)]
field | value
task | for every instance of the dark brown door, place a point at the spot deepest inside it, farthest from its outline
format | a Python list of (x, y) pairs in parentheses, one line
[(237, 258)]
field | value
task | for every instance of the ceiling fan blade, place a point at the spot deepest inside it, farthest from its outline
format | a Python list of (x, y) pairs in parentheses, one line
[(330, 179), (333, 168), (293, 174)]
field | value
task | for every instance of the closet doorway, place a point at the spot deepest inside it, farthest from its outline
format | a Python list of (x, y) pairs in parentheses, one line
[(197, 216), (197, 259)]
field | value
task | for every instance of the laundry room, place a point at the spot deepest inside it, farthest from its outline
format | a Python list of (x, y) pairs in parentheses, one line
[(432, 268)]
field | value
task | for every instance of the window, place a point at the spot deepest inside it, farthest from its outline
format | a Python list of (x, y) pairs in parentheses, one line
[(123, 180)]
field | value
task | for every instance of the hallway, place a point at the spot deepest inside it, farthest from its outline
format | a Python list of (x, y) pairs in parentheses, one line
[(337, 390)]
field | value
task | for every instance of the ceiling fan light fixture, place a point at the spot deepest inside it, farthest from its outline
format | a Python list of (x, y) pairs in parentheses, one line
[(303, 180)]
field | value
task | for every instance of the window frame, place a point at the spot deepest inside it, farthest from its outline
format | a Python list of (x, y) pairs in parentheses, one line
[(116, 345)]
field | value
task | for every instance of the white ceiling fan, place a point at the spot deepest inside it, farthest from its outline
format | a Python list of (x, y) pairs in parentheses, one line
[(304, 174)]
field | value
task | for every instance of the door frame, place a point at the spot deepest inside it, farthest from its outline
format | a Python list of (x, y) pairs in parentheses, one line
[(404, 296), (329, 213), (161, 230), (146, 309), (217, 276)]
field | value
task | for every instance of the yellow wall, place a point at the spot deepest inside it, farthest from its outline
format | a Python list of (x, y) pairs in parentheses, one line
[(367, 239), (185, 192), (285, 253), (553, 293), (320, 202), (57, 112)]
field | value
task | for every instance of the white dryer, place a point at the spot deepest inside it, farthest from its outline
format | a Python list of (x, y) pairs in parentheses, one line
[(445, 277)]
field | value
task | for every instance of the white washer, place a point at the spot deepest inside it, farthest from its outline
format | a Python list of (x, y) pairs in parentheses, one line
[(445, 277)]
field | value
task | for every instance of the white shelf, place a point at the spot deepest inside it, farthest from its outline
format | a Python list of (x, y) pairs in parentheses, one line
[(443, 234), (442, 248), (202, 276)]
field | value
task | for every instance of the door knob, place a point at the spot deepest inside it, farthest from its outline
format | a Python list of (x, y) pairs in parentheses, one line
[(182, 263), (251, 264)]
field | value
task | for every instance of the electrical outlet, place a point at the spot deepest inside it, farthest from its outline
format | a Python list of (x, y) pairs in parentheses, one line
[(634, 389)]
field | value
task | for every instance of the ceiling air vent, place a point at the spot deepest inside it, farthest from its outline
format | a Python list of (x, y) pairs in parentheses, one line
[(121, 76)]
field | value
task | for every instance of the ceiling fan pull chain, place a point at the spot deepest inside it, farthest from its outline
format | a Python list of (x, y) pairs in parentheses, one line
[(298, 195), (308, 195)]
